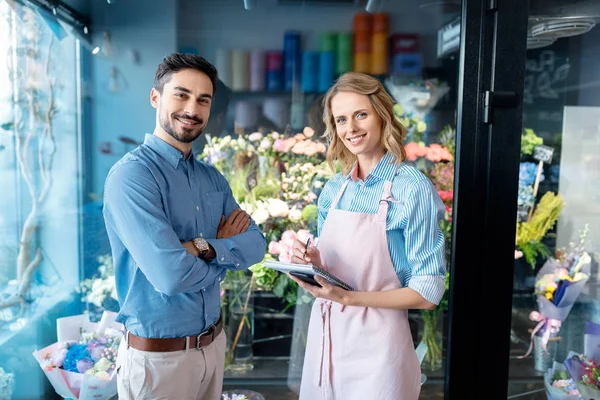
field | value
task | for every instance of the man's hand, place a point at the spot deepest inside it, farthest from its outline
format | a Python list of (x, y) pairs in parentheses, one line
[(238, 222), (190, 248)]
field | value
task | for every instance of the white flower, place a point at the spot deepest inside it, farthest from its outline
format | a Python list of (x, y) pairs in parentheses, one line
[(266, 143), (241, 142), (318, 184), (260, 216), (255, 137), (278, 208), (247, 207), (295, 215)]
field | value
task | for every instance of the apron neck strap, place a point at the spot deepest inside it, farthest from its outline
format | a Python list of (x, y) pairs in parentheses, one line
[(384, 203), (339, 195)]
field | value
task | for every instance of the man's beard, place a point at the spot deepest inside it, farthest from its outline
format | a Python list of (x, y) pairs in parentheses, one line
[(188, 135)]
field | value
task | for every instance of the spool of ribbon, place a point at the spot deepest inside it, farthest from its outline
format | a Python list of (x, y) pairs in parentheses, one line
[(551, 326)]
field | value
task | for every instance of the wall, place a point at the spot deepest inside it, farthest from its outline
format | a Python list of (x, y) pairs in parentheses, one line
[(208, 25), (149, 28)]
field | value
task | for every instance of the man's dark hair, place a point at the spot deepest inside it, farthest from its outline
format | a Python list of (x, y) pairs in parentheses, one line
[(176, 62)]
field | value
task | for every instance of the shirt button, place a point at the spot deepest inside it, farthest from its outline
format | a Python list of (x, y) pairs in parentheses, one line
[(197, 208), (222, 258), (237, 265)]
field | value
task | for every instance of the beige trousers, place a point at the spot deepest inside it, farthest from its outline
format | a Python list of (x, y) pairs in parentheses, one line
[(177, 375)]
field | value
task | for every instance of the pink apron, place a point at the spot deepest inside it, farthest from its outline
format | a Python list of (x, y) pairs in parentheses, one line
[(359, 352)]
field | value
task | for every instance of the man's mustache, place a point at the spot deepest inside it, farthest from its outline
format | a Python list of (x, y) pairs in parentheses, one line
[(195, 119)]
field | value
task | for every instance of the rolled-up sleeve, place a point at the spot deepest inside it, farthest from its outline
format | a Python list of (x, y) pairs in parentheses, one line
[(133, 211), (240, 251), (424, 241)]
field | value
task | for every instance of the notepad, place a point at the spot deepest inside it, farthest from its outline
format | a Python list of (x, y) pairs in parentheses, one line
[(306, 272)]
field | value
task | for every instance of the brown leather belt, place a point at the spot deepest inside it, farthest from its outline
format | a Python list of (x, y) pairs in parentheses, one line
[(176, 344)]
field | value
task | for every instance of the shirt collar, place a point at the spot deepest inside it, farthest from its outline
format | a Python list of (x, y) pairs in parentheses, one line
[(384, 170), (164, 149)]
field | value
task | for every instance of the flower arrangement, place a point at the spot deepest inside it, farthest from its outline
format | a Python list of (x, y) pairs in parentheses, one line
[(559, 384), (558, 284), (81, 364), (532, 228), (287, 174), (584, 368), (7, 381), (530, 233), (99, 293), (436, 162), (93, 355)]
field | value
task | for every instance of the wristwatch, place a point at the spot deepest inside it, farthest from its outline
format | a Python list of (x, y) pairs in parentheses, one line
[(201, 245)]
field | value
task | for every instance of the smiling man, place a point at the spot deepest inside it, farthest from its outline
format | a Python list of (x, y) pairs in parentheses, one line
[(175, 229)]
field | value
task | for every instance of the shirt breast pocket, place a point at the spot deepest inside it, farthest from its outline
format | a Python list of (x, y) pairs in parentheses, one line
[(216, 205)]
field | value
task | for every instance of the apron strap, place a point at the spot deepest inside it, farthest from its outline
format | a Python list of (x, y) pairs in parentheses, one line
[(339, 196), (384, 203), (324, 376)]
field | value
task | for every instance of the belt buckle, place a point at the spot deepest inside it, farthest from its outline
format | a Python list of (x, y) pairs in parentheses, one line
[(206, 332)]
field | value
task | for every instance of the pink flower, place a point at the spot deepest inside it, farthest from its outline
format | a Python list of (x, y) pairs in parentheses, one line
[(434, 153), (446, 195), (288, 238), (299, 136), (438, 153), (321, 148), (274, 248), (415, 150), (289, 143), (308, 132), (275, 135), (279, 145), (411, 151), (310, 197), (265, 143), (304, 234), (311, 148)]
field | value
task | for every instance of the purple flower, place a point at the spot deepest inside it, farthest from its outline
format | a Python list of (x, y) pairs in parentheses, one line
[(84, 364), (96, 350)]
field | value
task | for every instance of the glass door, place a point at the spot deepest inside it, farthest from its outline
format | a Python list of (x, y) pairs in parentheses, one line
[(555, 297)]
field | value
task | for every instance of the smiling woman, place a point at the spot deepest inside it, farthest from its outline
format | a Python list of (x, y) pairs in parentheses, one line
[(379, 231)]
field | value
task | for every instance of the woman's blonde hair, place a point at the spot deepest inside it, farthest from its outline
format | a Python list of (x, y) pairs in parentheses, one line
[(392, 131)]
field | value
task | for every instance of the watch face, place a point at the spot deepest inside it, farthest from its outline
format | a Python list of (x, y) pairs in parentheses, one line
[(201, 244)]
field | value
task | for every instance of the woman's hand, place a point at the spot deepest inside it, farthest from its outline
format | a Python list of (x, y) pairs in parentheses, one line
[(327, 291), (301, 255)]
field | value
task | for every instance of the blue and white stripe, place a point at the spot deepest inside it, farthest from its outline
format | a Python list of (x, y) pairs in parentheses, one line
[(415, 239)]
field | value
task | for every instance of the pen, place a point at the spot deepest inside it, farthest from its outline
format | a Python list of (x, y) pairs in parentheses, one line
[(307, 244)]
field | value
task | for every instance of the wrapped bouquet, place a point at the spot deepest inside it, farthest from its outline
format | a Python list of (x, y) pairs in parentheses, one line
[(558, 285), (559, 384), (585, 368), (81, 364)]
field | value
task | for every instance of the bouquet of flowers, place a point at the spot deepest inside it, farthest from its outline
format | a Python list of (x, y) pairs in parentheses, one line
[(559, 385), (81, 364), (558, 284), (585, 368)]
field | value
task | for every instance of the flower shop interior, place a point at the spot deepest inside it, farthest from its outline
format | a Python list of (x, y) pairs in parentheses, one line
[(499, 99)]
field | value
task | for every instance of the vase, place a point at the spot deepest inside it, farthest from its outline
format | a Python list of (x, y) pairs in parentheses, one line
[(432, 335), (239, 324), (302, 312), (543, 359)]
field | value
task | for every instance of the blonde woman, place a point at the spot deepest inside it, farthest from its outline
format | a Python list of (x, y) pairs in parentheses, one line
[(379, 231)]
